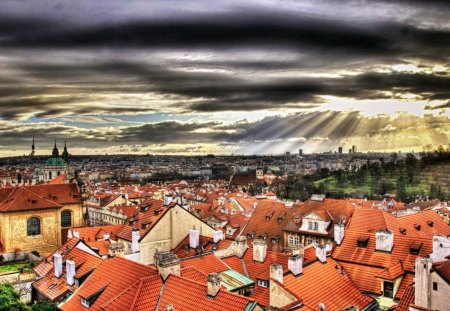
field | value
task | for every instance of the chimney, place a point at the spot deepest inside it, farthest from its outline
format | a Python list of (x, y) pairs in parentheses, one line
[(321, 253), (339, 233), (76, 234), (57, 263), (106, 236), (70, 272), (213, 284), (295, 264), (328, 247), (322, 307), (298, 250), (135, 236), (194, 238), (169, 307), (422, 280), (217, 236), (384, 240), (167, 263), (167, 199), (69, 234), (259, 250), (241, 246), (276, 272)]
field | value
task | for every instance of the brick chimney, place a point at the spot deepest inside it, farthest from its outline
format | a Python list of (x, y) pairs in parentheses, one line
[(70, 272), (339, 232), (213, 284), (321, 253), (384, 240), (57, 263), (217, 236), (241, 246), (194, 238), (259, 250), (167, 263), (135, 236), (276, 272), (295, 264)]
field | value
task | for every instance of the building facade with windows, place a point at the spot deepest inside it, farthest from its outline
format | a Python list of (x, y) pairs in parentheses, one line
[(35, 218)]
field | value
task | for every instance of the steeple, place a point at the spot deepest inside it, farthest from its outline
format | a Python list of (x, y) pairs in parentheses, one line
[(55, 152), (65, 154), (32, 148)]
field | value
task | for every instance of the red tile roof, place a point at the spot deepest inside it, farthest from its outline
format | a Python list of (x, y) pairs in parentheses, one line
[(205, 264), (46, 265), (183, 250), (186, 295), (22, 199), (324, 283), (114, 275), (407, 299)]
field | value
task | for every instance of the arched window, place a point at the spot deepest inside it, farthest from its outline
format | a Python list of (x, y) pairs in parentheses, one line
[(34, 226), (66, 219)]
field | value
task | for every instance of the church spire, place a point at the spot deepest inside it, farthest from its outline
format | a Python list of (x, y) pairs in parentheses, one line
[(65, 154), (32, 148), (55, 152)]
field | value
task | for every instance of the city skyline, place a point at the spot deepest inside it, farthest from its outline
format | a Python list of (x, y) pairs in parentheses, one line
[(195, 78)]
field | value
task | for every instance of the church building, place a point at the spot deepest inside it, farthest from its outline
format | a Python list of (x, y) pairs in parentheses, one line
[(56, 164)]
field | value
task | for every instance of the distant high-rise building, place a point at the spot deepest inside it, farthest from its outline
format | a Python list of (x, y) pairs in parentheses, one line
[(340, 150), (288, 154), (300, 152), (354, 149)]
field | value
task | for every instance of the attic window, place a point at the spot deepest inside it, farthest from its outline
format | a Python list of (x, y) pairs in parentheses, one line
[(132, 222), (297, 220), (403, 231), (276, 239), (33, 201), (430, 223), (414, 249), (417, 226), (281, 217), (263, 236), (87, 302), (157, 212), (269, 215), (250, 235), (363, 241), (145, 225), (144, 208)]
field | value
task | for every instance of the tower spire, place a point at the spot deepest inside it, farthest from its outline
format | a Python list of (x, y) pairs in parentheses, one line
[(55, 152), (65, 154), (32, 148)]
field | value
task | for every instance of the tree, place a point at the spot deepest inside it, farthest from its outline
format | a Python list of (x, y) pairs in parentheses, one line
[(45, 305), (401, 189), (10, 299)]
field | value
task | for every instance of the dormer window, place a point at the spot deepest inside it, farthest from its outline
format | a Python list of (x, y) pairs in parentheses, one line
[(363, 241), (415, 247), (403, 231), (145, 225), (417, 226), (85, 303), (250, 235), (269, 215), (276, 239), (430, 223)]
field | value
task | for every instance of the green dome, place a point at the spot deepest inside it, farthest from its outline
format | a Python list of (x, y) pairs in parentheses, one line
[(55, 161)]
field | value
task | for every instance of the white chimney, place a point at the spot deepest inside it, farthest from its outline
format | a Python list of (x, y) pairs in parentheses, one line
[(328, 247), (298, 250), (167, 199), (213, 284), (135, 236), (57, 263), (295, 264), (70, 272), (241, 246), (76, 234), (106, 236), (194, 238), (217, 236), (321, 253), (384, 240), (69, 234), (259, 250), (339, 233), (276, 272)]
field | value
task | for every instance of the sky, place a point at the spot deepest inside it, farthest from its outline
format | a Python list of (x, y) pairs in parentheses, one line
[(228, 77)]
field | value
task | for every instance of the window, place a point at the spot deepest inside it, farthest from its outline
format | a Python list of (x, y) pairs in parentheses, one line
[(435, 286), (310, 225), (85, 302), (66, 219), (316, 226), (262, 283), (388, 289), (294, 239), (34, 226)]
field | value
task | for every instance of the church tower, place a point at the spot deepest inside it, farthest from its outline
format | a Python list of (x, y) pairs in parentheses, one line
[(56, 164), (65, 154), (32, 149)]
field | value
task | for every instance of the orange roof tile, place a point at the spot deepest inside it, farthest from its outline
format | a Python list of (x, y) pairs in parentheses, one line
[(205, 264)]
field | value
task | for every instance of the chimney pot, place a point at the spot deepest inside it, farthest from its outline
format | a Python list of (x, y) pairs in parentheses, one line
[(321, 253), (70, 272), (194, 238), (217, 236), (295, 264), (259, 250)]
